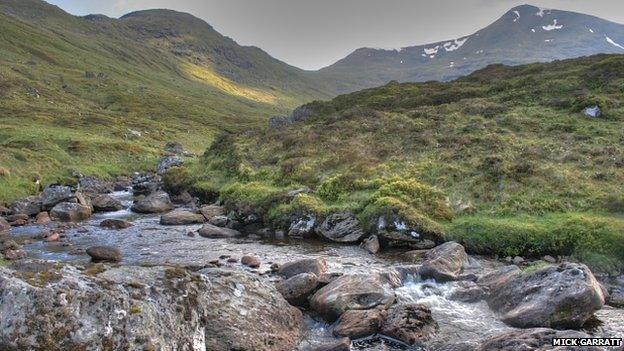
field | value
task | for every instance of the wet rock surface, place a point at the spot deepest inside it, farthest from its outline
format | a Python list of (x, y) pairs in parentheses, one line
[(444, 262), (105, 203), (181, 217), (71, 212)]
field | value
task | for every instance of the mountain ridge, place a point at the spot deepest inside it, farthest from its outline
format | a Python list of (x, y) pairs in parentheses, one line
[(507, 40)]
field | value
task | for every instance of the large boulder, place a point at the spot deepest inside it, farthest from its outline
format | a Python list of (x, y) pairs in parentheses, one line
[(316, 266), (564, 295), (91, 185), (55, 194), (393, 231), (410, 323), (354, 292), (342, 228), (531, 339), (303, 227), (181, 217), (297, 289), (444, 262), (157, 202), (71, 212), (360, 323), (211, 211), (106, 203), (211, 231), (167, 162), (57, 307), (29, 206)]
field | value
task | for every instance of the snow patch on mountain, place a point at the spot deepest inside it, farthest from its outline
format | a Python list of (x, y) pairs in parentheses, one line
[(591, 30), (553, 26), (433, 50), (610, 41), (455, 44), (542, 12), (517, 16)]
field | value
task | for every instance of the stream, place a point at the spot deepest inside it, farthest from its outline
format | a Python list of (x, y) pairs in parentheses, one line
[(149, 243)]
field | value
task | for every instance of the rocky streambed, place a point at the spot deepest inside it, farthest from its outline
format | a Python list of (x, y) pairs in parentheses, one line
[(143, 273)]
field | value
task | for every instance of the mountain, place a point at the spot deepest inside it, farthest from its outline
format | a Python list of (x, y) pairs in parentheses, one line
[(76, 92), (525, 34), (503, 160)]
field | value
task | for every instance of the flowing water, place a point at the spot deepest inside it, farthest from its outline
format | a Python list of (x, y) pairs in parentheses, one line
[(148, 242)]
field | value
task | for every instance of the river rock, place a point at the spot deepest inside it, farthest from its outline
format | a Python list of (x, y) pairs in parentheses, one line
[(4, 225), (396, 232), (91, 185), (530, 339), (113, 223), (42, 218), (219, 221), (106, 203), (214, 309), (444, 262), (303, 227), (4, 211), (55, 194), (316, 266), (353, 292), (296, 289), (343, 344), (371, 244), (211, 231), (564, 295), (497, 278), (157, 202), (104, 253), (167, 162), (342, 228), (29, 206), (181, 217), (210, 211), (360, 323), (410, 323), (70, 212), (250, 261)]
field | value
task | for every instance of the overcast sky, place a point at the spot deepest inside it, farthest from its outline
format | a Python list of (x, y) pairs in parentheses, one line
[(315, 33)]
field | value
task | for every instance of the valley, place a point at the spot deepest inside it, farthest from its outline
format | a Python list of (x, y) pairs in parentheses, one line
[(164, 188)]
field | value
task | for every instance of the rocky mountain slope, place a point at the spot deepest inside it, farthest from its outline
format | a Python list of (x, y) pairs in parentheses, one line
[(525, 34)]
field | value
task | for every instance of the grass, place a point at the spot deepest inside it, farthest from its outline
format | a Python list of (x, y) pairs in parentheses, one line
[(502, 160), (73, 91)]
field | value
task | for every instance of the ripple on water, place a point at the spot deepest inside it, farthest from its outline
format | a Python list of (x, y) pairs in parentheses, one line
[(458, 321)]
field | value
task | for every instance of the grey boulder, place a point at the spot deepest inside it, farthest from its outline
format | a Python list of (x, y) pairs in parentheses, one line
[(181, 217), (354, 292), (564, 295), (157, 202), (211, 231), (29, 206), (53, 195), (297, 289), (342, 228), (71, 212), (444, 262), (316, 266), (143, 308), (168, 162), (105, 203)]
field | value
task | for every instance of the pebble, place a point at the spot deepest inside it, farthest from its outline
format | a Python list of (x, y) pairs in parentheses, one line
[(250, 261)]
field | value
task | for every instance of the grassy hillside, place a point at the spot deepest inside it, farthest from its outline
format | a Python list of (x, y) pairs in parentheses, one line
[(502, 160), (75, 91)]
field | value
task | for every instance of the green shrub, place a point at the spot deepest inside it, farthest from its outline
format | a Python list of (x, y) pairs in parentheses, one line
[(252, 197)]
